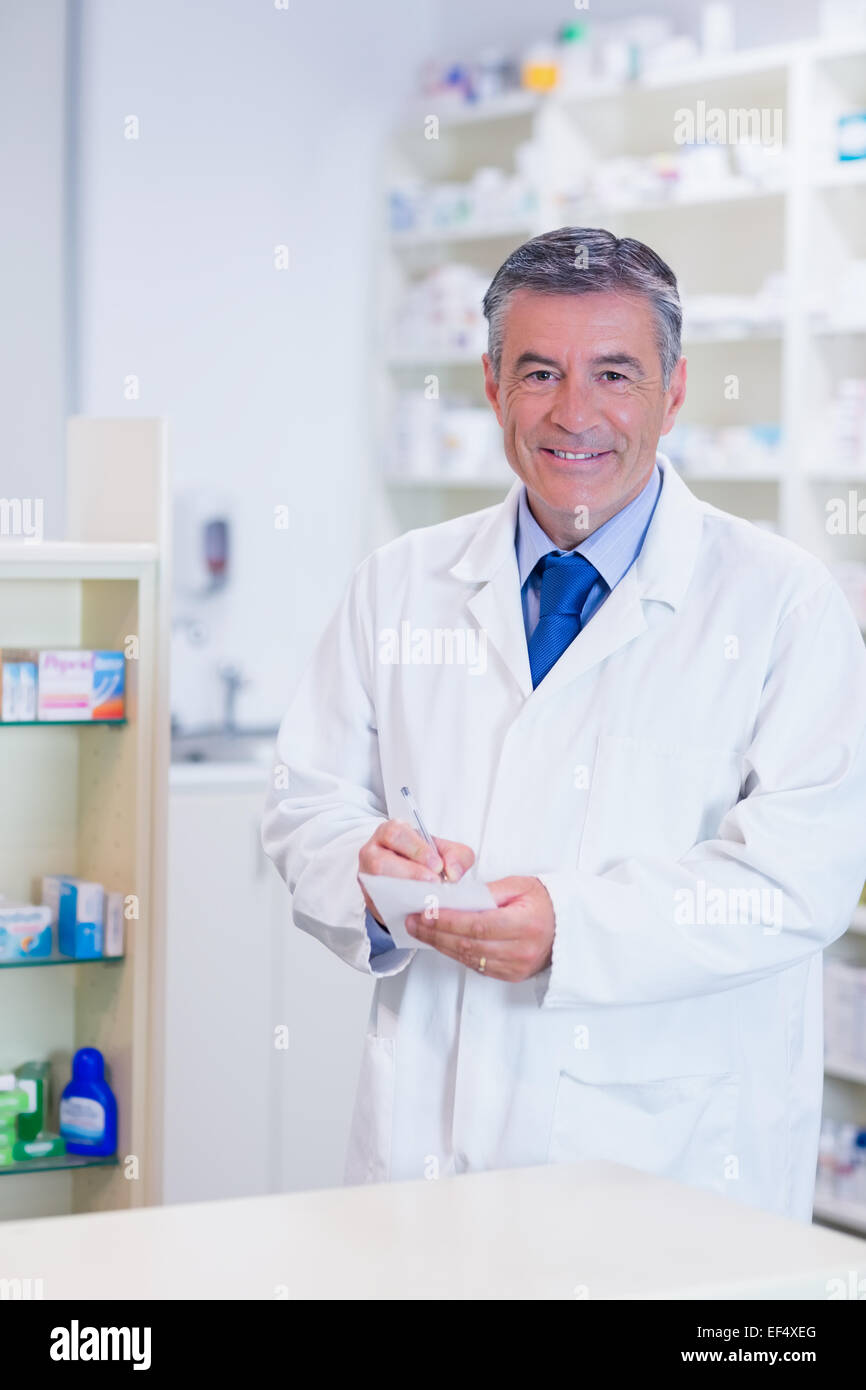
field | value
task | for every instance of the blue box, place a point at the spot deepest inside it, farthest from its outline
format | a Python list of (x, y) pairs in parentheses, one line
[(80, 916)]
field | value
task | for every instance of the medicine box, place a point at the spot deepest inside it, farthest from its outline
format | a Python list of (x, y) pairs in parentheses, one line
[(51, 894), (112, 941), (25, 931), (108, 695), (18, 678), (33, 1078), (81, 685), (80, 919)]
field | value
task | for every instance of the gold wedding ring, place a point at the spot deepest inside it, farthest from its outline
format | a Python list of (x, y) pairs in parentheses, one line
[(481, 965)]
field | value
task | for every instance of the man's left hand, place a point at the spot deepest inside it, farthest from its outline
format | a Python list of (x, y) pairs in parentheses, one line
[(514, 940)]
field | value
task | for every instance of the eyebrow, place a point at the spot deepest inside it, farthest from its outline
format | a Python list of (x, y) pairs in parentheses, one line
[(619, 359)]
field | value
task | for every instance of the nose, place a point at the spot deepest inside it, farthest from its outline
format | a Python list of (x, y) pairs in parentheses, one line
[(573, 408)]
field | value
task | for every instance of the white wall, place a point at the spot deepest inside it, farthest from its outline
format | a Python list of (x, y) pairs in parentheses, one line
[(33, 271), (258, 126)]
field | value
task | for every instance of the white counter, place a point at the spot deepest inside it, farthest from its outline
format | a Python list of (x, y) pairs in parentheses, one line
[(585, 1230)]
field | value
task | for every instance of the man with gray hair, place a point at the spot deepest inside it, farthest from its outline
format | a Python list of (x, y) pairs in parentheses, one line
[(671, 719)]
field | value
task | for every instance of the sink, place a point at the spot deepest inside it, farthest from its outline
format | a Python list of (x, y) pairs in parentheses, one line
[(217, 746)]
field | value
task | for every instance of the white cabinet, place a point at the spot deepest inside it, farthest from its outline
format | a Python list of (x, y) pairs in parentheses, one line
[(244, 1115)]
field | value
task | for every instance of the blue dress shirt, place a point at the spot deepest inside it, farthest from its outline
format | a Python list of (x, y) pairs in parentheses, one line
[(613, 549)]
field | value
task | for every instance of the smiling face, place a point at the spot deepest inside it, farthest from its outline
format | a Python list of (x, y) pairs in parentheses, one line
[(580, 374)]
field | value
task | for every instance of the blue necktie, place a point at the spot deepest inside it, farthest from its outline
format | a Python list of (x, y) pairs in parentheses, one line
[(565, 583)]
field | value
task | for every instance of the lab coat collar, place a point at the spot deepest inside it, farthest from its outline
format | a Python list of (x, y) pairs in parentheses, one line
[(661, 572)]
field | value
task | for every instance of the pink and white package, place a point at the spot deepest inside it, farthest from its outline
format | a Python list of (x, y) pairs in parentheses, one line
[(65, 684)]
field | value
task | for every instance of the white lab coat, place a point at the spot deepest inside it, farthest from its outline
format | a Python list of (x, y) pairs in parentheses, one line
[(703, 736)]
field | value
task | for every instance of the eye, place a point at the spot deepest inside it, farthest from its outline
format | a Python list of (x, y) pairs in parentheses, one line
[(539, 373), (619, 375)]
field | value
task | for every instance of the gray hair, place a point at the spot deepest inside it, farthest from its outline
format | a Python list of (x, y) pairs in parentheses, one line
[(586, 260)]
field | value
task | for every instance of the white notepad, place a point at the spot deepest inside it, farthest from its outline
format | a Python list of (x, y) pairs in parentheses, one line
[(395, 898)]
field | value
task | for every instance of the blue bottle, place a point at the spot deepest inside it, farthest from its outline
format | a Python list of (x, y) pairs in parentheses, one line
[(88, 1109)]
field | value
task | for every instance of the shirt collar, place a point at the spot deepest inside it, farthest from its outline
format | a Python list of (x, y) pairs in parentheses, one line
[(611, 549)]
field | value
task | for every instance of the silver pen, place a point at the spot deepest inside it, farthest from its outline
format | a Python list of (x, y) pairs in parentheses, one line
[(416, 816)]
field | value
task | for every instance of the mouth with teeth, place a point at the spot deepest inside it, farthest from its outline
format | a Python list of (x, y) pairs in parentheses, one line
[(567, 456)]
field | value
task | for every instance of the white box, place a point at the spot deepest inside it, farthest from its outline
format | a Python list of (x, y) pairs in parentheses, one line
[(112, 936)]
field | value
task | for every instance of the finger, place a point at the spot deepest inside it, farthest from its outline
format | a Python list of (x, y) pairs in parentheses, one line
[(377, 860), (402, 839), (498, 965), (456, 857), (491, 925)]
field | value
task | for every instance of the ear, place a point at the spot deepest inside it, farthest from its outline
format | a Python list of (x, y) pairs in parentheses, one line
[(491, 387), (674, 396)]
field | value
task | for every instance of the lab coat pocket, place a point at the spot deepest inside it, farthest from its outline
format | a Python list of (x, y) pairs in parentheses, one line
[(369, 1154), (680, 1127), (652, 798)]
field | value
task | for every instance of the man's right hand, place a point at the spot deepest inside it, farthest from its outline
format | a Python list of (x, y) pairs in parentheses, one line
[(398, 851)]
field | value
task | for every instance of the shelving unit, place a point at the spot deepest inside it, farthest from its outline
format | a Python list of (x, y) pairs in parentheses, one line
[(727, 242), (86, 799)]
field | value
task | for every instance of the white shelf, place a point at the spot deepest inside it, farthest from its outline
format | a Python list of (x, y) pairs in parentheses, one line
[(741, 63), (78, 555), (745, 193), (449, 113), (851, 1215)]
